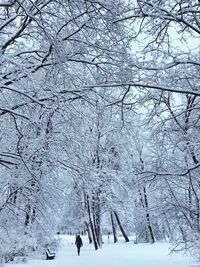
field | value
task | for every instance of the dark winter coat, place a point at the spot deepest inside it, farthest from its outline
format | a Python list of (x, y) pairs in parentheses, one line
[(78, 241)]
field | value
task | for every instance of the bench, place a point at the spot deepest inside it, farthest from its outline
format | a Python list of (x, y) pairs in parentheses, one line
[(50, 255)]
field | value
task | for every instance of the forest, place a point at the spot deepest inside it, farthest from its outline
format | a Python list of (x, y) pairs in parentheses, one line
[(100, 122)]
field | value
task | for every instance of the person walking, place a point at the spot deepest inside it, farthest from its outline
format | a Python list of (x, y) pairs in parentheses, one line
[(78, 243)]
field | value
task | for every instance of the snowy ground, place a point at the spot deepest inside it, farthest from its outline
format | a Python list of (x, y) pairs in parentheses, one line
[(112, 255)]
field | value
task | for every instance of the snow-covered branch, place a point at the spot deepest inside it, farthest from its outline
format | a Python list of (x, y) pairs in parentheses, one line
[(142, 85), (14, 113)]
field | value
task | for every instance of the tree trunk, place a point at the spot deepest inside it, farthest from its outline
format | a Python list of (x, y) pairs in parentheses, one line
[(113, 227), (120, 227), (33, 215), (97, 211), (88, 232), (91, 225), (148, 217), (27, 216)]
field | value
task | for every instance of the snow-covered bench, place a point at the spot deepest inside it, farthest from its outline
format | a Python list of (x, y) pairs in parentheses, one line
[(50, 255)]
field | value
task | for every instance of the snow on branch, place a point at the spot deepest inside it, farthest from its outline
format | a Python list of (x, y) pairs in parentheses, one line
[(7, 159), (14, 113), (171, 174), (5, 4), (166, 66), (24, 94), (145, 86)]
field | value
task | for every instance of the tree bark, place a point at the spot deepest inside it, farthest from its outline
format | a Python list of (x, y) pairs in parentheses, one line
[(120, 227), (88, 232), (113, 228), (92, 225), (148, 217), (27, 217), (97, 212)]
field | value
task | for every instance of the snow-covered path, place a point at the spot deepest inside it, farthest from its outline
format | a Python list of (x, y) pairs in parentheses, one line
[(113, 255)]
